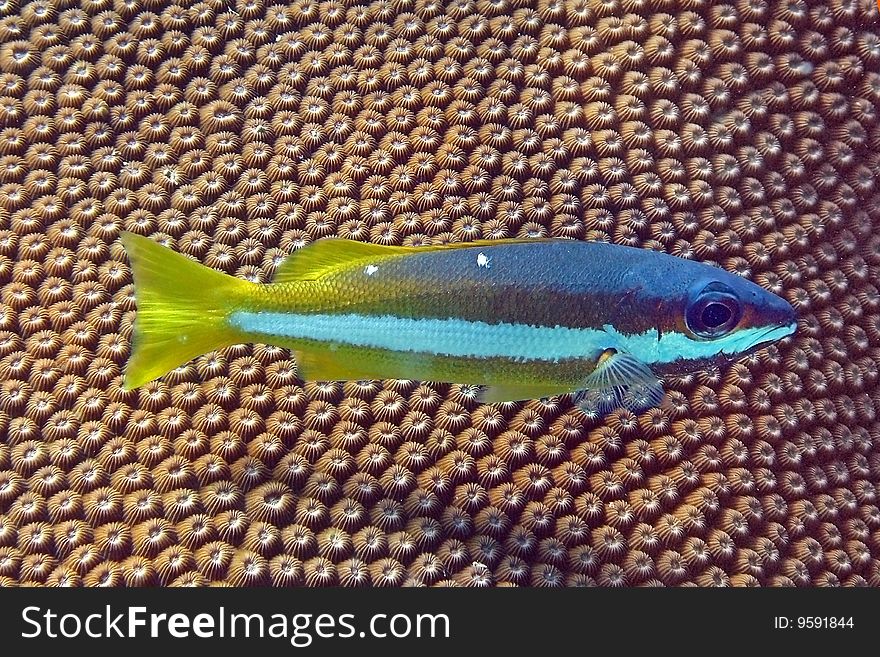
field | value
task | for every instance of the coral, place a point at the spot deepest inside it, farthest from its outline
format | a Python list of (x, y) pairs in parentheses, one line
[(743, 135)]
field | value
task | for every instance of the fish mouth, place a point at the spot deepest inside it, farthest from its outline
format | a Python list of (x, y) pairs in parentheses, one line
[(773, 334), (752, 343)]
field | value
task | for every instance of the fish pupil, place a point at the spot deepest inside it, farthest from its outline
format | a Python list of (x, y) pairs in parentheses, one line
[(716, 314)]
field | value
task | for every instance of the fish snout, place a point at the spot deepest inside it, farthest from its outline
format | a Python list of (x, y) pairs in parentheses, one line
[(781, 313)]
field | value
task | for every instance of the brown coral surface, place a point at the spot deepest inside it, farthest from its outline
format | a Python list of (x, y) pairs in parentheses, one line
[(742, 133)]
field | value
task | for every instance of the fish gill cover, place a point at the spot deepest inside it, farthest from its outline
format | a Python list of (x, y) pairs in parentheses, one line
[(741, 133)]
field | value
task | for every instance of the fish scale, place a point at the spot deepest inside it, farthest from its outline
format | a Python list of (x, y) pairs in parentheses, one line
[(542, 283)]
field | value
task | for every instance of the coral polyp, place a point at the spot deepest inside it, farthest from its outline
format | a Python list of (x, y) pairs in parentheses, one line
[(744, 135)]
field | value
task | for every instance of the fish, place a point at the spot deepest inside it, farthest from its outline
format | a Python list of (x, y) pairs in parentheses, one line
[(518, 318)]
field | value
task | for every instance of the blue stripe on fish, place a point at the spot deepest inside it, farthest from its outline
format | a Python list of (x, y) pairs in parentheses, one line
[(446, 337), (475, 339), (673, 345)]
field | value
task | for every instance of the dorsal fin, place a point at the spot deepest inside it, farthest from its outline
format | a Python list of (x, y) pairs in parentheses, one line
[(328, 254), (323, 256)]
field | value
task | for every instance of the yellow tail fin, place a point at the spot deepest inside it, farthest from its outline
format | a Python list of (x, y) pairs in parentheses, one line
[(181, 309)]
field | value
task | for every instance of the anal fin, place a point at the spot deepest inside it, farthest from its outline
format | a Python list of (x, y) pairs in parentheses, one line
[(514, 392), (328, 363), (342, 362)]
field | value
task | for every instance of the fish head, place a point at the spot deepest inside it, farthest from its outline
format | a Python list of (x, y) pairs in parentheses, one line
[(719, 318)]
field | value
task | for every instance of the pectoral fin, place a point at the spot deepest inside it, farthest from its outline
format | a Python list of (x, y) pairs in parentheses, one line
[(619, 380)]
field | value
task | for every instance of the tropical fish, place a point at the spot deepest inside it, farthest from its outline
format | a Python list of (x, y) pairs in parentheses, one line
[(523, 319)]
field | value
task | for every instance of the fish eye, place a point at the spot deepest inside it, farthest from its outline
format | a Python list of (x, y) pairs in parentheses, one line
[(714, 312)]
